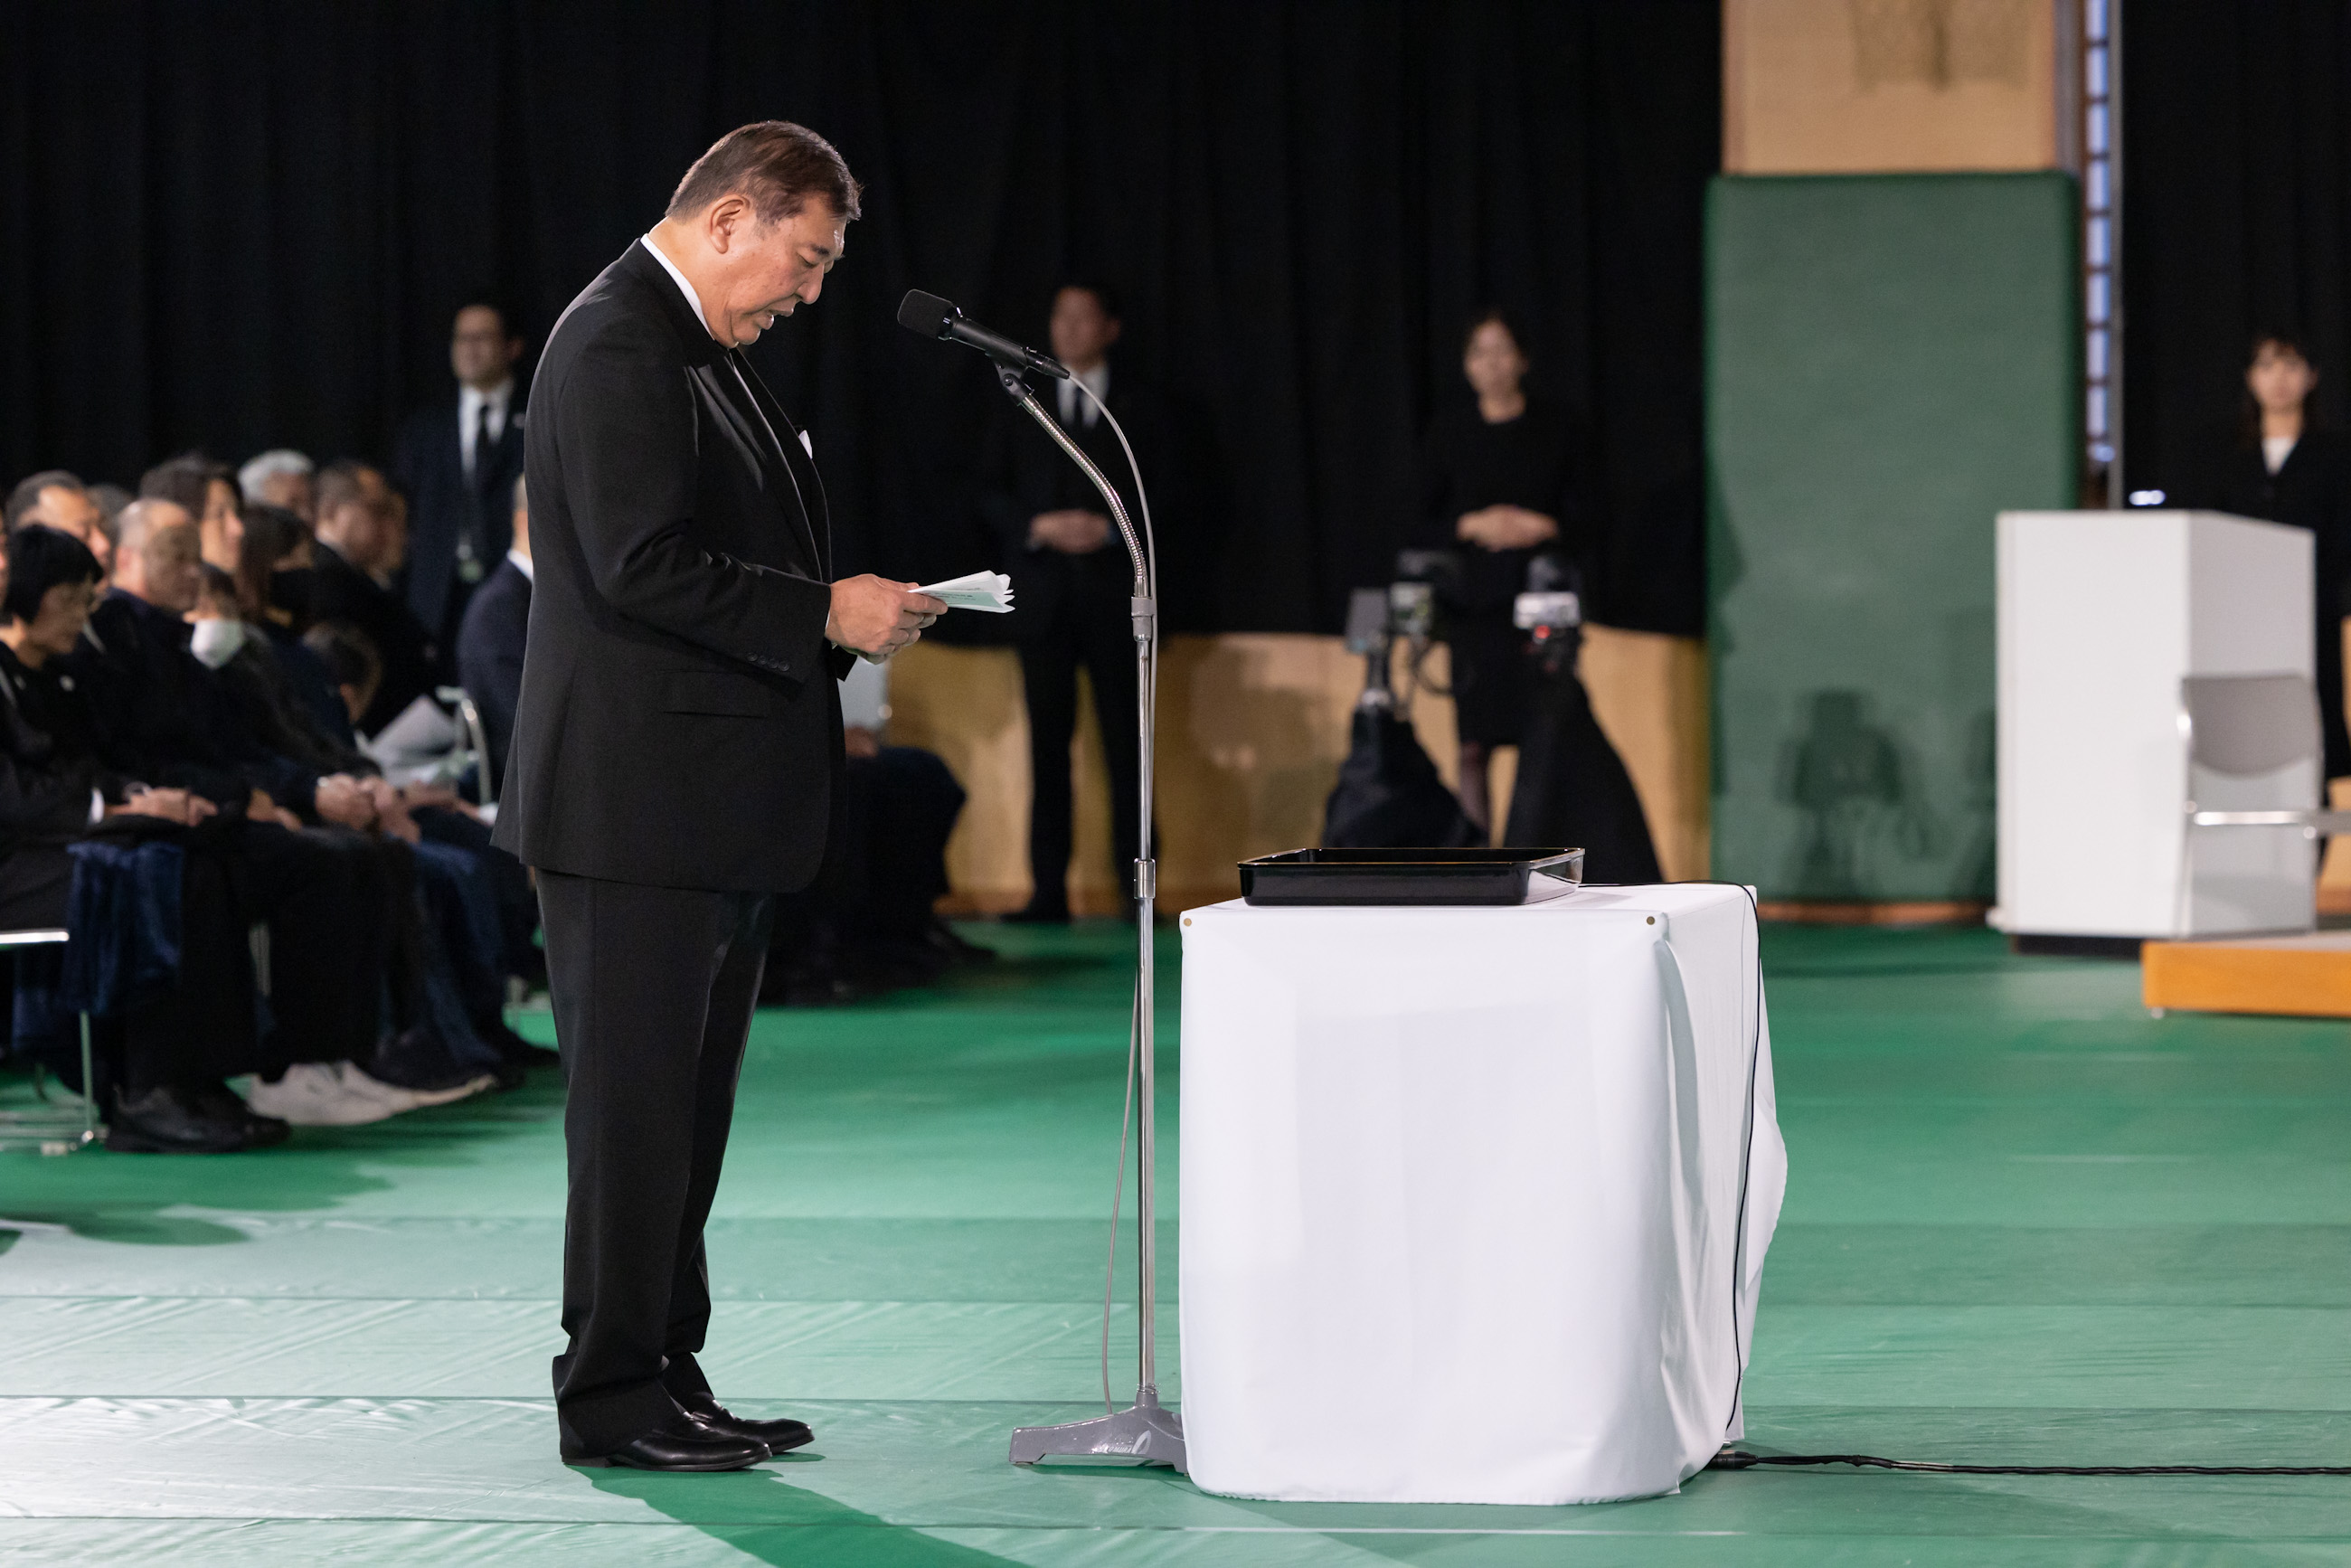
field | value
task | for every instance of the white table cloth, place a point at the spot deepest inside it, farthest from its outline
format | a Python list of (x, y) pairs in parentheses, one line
[(1462, 1194)]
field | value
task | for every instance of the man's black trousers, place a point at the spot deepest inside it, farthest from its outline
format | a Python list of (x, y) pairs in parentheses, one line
[(1102, 638), (654, 989)]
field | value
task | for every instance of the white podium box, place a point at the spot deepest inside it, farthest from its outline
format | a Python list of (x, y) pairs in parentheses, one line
[(1475, 1201), (2116, 629)]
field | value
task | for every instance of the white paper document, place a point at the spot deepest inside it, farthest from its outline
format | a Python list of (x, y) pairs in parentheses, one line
[(988, 591)]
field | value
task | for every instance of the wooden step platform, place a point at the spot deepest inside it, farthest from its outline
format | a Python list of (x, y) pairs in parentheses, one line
[(2306, 976)]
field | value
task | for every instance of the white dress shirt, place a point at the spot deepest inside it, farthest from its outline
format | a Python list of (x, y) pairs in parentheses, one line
[(522, 565), (1075, 408), (692, 300), (470, 404)]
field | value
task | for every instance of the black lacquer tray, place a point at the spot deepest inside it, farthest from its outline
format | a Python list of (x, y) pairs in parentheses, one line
[(1407, 876)]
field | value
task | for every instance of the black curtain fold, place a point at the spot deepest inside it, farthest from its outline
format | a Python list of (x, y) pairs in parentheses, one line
[(244, 223)]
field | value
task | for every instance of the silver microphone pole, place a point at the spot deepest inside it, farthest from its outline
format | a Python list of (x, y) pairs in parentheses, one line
[(1145, 1433)]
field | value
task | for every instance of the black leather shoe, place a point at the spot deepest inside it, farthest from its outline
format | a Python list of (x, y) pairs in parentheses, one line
[(778, 1436), (216, 1101), (416, 1059), (1036, 914), (684, 1444), (161, 1122)]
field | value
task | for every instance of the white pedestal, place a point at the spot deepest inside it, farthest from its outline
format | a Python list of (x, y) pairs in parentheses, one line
[(2102, 616), (1475, 1200)]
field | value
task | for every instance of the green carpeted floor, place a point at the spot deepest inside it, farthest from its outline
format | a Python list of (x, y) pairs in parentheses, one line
[(2025, 1222)]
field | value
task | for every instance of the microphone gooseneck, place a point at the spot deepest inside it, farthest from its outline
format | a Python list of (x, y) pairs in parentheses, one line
[(933, 317)]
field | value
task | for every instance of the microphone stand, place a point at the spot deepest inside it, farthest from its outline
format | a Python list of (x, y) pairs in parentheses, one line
[(1145, 1433)]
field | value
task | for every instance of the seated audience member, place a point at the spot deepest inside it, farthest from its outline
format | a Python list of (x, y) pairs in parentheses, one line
[(203, 488), (490, 644), (355, 669), (280, 477), (868, 922), (57, 499), (360, 538), (158, 715), (173, 1039), (273, 577), (257, 674)]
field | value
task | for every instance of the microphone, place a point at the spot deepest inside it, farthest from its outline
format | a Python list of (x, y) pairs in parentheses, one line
[(935, 318)]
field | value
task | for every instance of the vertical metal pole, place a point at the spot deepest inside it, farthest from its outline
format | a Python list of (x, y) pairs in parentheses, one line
[(1146, 878), (1145, 1432), (88, 1088)]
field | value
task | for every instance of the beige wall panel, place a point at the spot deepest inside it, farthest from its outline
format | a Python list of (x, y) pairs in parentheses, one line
[(1815, 86), (1252, 728), (1649, 694)]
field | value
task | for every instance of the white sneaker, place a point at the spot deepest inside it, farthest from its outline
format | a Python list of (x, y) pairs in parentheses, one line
[(416, 1097), (312, 1095), (357, 1082)]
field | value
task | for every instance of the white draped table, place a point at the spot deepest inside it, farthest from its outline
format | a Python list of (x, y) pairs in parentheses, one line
[(1474, 1201)]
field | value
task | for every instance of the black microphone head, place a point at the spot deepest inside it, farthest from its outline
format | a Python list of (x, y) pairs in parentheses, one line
[(925, 313)]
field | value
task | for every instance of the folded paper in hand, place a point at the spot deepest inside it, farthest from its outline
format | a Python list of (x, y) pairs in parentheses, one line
[(988, 591)]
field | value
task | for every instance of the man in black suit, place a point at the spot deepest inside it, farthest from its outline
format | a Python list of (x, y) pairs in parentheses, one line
[(676, 753), (362, 537), (456, 462), (1074, 577), (490, 644)]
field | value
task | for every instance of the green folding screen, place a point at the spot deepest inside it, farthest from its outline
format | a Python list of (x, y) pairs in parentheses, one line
[(1891, 360)]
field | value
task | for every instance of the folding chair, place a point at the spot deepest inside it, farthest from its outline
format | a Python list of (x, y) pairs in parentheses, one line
[(54, 1126)]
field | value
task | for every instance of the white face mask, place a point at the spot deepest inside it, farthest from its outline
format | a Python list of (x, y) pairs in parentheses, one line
[(216, 641)]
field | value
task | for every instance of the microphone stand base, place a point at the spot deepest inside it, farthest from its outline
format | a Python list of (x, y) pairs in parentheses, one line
[(1145, 1433)]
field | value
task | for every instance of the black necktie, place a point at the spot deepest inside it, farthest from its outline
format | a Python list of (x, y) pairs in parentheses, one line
[(483, 442)]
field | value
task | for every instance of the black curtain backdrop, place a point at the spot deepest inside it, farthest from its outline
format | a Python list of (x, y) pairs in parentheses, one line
[(239, 225), (2236, 217)]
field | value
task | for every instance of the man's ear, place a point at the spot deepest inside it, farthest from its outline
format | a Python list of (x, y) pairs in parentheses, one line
[(730, 218)]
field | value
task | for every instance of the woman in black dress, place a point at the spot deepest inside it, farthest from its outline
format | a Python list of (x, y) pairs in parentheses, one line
[(1500, 474), (2287, 469)]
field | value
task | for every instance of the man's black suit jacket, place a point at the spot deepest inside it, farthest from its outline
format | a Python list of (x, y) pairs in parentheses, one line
[(490, 656), (679, 725), (1027, 474), (412, 655), (429, 465), (157, 715)]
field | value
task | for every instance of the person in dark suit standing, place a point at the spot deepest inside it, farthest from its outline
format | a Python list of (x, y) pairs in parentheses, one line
[(456, 462), (2286, 468), (491, 642), (1074, 578), (676, 752)]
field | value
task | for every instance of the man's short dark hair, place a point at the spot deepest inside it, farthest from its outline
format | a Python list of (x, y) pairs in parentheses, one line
[(779, 165), (349, 654), (490, 303), (39, 558), (27, 494), (1104, 295), (187, 479), (341, 482)]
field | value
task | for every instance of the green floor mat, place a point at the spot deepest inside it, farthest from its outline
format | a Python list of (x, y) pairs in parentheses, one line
[(2025, 1222)]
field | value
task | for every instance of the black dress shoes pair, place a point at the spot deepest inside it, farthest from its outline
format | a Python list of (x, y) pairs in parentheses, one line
[(203, 1119), (706, 1437)]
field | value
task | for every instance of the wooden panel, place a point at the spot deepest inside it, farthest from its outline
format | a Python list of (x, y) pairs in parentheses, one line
[(1825, 87), (1252, 730), (2300, 977)]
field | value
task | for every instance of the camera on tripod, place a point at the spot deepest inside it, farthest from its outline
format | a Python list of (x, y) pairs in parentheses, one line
[(1406, 610)]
